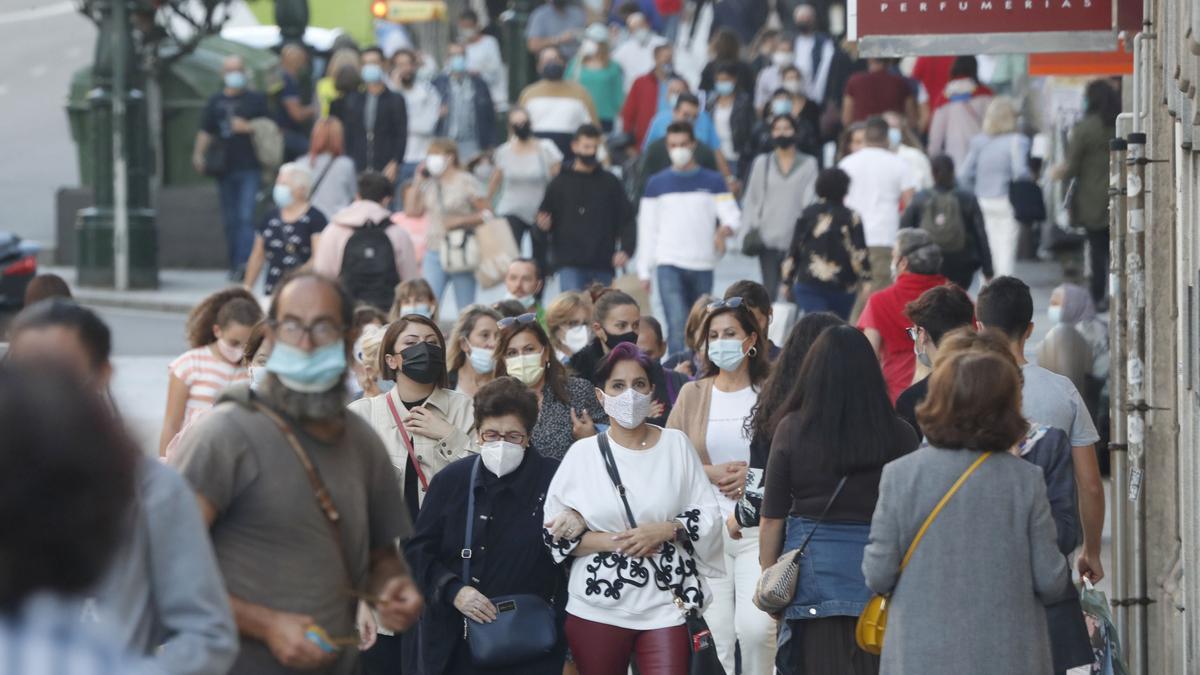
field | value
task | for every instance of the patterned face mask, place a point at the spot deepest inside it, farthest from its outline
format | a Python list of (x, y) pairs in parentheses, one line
[(629, 408)]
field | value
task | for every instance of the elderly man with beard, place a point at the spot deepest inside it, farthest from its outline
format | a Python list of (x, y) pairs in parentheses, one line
[(303, 505)]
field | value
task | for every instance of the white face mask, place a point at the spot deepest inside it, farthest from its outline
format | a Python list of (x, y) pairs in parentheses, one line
[(526, 301), (1054, 313), (629, 408), (501, 457), (436, 164), (680, 157), (895, 267), (258, 375), (782, 59), (576, 338)]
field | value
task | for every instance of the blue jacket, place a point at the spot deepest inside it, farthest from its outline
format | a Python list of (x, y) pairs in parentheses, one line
[(485, 111), (831, 581)]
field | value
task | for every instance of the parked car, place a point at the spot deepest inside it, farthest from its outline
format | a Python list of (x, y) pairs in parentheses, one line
[(18, 265)]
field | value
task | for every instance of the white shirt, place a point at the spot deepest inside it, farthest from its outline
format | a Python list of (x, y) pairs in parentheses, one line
[(662, 483), (726, 438), (635, 58), (721, 115), (422, 103), (877, 179), (814, 82), (483, 57)]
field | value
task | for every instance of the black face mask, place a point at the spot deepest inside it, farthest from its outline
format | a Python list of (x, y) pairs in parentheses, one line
[(611, 341), (523, 131), (407, 80), (784, 141), (805, 28), (423, 362), (553, 71), (587, 160)]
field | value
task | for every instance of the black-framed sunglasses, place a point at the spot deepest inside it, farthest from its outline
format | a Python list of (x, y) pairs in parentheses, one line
[(731, 303), (524, 320)]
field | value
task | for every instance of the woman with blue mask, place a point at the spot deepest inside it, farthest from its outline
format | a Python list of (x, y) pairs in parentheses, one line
[(471, 356), (732, 113), (288, 234), (714, 412)]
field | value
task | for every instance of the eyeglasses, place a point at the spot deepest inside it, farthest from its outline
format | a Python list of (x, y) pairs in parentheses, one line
[(731, 303), (524, 320), (913, 333), (322, 332), (514, 437)]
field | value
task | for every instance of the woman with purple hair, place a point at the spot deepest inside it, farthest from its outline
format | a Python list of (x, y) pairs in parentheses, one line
[(647, 546)]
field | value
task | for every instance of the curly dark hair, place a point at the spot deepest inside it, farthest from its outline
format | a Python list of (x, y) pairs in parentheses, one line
[(67, 476), (231, 305), (506, 396)]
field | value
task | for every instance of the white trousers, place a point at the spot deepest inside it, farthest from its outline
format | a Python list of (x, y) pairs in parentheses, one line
[(1003, 233), (732, 616)]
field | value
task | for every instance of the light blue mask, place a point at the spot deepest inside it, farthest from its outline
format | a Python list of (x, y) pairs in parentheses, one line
[(420, 309), (312, 372), (781, 106), (482, 360), (724, 88), (726, 354), (372, 73), (386, 386), (527, 301), (1054, 313), (457, 63), (895, 137), (235, 80), (282, 196)]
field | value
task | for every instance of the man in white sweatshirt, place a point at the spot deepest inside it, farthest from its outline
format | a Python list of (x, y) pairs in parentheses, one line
[(686, 214)]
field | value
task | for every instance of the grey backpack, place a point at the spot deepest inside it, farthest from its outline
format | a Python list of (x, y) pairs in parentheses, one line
[(942, 218)]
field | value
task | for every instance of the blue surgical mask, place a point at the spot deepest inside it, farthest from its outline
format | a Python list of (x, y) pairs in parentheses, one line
[(420, 309), (724, 88), (235, 80), (386, 386), (312, 372), (726, 354), (527, 301), (1054, 314), (282, 196), (781, 106), (372, 73), (482, 360), (895, 137), (457, 63)]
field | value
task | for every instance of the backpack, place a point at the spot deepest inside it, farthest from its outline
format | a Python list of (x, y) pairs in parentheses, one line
[(942, 218), (369, 266)]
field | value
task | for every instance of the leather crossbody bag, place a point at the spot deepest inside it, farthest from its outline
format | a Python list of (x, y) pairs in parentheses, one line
[(777, 585)]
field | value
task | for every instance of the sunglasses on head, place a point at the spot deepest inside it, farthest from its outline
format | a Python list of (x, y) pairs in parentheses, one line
[(731, 303), (523, 320)]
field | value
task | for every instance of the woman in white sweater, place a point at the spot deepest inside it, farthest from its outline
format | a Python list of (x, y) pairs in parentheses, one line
[(622, 592)]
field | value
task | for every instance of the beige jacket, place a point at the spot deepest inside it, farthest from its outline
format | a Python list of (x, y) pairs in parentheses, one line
[(432, 456), (690, 414)]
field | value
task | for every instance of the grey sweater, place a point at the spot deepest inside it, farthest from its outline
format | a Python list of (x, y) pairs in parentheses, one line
[(773, 201), (973, 597)]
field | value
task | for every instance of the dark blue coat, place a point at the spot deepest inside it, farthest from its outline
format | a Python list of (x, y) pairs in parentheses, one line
[(485, 111)]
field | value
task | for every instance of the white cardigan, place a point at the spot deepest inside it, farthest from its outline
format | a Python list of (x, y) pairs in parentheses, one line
[(663, 483), (433, 456)]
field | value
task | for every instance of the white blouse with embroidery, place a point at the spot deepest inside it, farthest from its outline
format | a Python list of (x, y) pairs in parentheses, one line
[(662, 483)]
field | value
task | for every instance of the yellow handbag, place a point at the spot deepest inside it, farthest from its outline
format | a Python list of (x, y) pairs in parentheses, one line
[(873, 620)]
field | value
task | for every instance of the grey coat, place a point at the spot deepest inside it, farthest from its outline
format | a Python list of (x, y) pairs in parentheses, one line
[(972, 598)]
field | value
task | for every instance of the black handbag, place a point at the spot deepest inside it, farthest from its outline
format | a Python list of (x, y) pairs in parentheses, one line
[(702, 659), (525, 628), (215, 158), (1029, 205)]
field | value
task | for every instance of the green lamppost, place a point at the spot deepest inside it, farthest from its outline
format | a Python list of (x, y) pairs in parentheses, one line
[(520, 63), (117, 243)]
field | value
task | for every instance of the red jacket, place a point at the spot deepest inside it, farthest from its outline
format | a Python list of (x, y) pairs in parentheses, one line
[(641, 104), (885, 313)]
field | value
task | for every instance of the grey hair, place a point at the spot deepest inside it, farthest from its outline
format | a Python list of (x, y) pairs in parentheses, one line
[(918, 248), (297, 176)]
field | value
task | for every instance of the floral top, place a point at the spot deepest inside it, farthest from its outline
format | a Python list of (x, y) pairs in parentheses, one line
[(554, 433), (829, 248), (288, 245)]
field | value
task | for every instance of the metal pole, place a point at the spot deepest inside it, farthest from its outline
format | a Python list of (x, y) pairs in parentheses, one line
[(1118, 442), (1136, 391), (120, 19)]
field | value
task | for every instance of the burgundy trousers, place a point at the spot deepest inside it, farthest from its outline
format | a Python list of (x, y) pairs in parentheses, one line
[(601, 649)]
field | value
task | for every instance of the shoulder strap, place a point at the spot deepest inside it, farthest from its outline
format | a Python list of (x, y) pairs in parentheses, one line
[(407, 440), (470, 531), (610, 463), (324, 499), (825, 511), (941, 504), (317, 183)]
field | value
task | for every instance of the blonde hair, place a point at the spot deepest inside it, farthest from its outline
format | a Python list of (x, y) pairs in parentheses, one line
[(560, 311), (1001, 117)]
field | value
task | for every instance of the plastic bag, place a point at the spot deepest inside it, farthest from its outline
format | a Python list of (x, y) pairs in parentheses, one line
[(1106, 643)]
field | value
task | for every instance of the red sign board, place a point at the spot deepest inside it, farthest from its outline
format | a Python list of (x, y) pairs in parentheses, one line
[(945, 17)]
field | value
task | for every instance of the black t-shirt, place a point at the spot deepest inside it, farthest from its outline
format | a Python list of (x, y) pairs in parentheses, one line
[(906, 404), (217, 120)]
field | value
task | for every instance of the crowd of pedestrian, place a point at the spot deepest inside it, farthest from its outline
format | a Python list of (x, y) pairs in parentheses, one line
[(355, 481)]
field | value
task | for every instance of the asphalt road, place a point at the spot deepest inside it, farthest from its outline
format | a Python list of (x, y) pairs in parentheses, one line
[(42, 43)]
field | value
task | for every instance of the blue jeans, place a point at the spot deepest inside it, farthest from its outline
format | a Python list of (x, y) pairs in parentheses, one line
[(238, 191), (679, 289), (464, 282), (579, 278), (810, 298)]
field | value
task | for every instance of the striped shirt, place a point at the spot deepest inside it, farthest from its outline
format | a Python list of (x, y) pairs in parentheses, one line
[(678, 220), (47, 637), (206, 376)]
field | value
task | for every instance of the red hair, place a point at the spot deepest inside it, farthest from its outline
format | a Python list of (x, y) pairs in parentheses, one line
[(327, 136)]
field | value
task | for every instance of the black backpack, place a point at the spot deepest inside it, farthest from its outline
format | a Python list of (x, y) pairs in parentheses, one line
[(942, 218), (369, 266)]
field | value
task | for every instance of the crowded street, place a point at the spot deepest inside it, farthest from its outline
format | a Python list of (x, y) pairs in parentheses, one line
[(599, 337)]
